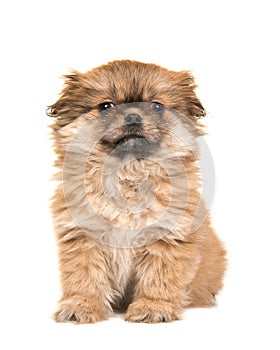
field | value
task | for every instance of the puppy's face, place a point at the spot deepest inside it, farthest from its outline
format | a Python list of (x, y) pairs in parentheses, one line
[(134, 128), (137, 108)]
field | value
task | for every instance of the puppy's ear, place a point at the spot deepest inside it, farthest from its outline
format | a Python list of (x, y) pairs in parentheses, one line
[(72, 102), (193, 104)]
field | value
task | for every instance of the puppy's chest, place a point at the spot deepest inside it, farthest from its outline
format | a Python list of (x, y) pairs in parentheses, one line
[(141, 185), (130, 197), (131, 189), (122, 267)]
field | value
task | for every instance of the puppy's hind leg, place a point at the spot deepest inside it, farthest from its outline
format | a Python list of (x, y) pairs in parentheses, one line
[(208, 280)]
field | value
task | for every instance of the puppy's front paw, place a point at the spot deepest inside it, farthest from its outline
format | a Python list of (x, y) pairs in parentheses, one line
[(78, 309), (152, 311)]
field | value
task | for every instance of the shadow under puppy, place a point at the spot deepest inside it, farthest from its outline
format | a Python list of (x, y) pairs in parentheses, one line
[(132, 231)]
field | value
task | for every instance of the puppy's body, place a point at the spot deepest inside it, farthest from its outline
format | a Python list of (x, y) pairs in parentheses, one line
[(125, 214)]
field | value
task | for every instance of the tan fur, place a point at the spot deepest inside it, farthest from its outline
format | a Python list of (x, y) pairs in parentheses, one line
[(102, 267)]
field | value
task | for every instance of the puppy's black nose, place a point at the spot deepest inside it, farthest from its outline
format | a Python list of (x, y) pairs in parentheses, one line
[(132, 119)]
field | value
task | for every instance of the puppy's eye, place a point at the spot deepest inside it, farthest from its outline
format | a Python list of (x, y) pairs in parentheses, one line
[(105, 105), (158, 107)]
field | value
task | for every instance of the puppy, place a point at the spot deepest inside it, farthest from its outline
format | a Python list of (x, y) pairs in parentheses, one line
[(133, 233)]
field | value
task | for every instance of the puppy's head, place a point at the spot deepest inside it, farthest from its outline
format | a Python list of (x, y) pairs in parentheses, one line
[(137, 108)]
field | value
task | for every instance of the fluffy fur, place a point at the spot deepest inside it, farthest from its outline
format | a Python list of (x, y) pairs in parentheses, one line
[(115, 251)]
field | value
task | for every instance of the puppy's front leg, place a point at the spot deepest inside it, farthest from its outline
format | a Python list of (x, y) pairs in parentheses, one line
[(84, 279), (162, 272)]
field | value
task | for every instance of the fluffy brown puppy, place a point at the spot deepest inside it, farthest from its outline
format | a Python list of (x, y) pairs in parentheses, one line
[(132, 231)]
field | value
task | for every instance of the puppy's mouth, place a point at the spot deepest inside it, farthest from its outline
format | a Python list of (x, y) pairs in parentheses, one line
[(132, 142), (127, 137)]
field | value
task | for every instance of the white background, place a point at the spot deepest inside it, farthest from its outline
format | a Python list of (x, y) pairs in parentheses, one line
[(233, 49)]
